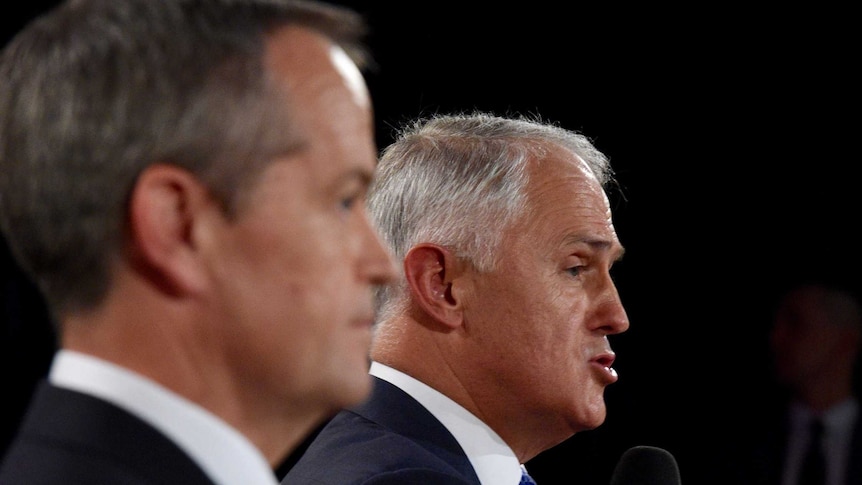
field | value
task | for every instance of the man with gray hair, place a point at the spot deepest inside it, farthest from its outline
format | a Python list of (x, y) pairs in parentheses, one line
[(493, 345)]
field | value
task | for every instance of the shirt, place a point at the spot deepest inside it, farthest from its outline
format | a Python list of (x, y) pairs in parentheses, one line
[(492, 459), (224, 454), (838, 422)]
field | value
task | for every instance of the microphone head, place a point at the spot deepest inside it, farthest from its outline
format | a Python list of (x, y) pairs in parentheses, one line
[(646, 465)]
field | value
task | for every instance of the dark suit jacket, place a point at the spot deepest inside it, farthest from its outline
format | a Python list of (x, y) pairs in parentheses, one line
[(767, 460), (72, 438), (389, 439)]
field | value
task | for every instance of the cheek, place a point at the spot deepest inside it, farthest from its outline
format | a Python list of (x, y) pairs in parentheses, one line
[(274, 269), (559, 333), (294, 315), (548, 309), (536, 322)]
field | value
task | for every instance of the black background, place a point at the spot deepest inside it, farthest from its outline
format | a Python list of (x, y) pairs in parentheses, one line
[(733, 131)]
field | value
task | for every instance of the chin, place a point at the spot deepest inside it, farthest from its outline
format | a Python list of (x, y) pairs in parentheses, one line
[(595, 415)]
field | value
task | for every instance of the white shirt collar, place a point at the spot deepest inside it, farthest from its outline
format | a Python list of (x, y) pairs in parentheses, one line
[(838, 422), (492, 459), (220, 450)]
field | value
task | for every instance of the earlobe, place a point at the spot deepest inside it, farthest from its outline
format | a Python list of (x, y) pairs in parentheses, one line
[(432, 272), (162, 211)]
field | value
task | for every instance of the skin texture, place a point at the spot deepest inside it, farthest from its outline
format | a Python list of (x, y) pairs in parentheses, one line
[(524, 347), (264, 318)]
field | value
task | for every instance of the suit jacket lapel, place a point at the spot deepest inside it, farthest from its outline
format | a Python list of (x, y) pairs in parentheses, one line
[(414, 421)]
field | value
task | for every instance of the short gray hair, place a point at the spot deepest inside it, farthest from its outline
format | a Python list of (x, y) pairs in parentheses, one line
[(458, 180)]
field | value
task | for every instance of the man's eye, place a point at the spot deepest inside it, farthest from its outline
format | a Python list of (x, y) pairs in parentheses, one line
[(350, 202), (575, 270)]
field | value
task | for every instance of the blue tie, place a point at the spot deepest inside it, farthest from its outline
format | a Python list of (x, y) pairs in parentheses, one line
[(526, 479)]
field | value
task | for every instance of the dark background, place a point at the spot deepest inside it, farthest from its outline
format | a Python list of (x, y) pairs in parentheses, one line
[(733, 131)]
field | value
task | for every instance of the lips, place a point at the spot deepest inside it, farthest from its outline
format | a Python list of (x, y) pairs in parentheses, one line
[(603, 363)]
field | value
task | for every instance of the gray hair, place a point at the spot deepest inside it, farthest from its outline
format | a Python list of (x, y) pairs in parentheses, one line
[(94, 91), (459, 181)]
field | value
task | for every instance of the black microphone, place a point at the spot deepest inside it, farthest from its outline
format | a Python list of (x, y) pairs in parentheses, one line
[(646, 465)]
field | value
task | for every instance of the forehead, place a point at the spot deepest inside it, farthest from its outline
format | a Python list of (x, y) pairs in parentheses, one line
[(305, 64), (324, 91), (566, 201), (561, 181)]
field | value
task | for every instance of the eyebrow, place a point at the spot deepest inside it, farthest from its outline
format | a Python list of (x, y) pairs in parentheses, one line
[(598, 245), (362, 175)]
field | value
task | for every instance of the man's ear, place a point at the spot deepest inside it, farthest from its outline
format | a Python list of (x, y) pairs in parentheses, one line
[(164, 205), (432, 273)]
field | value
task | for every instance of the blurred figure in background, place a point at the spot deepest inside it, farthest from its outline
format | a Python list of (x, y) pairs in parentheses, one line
[(815, 342)]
